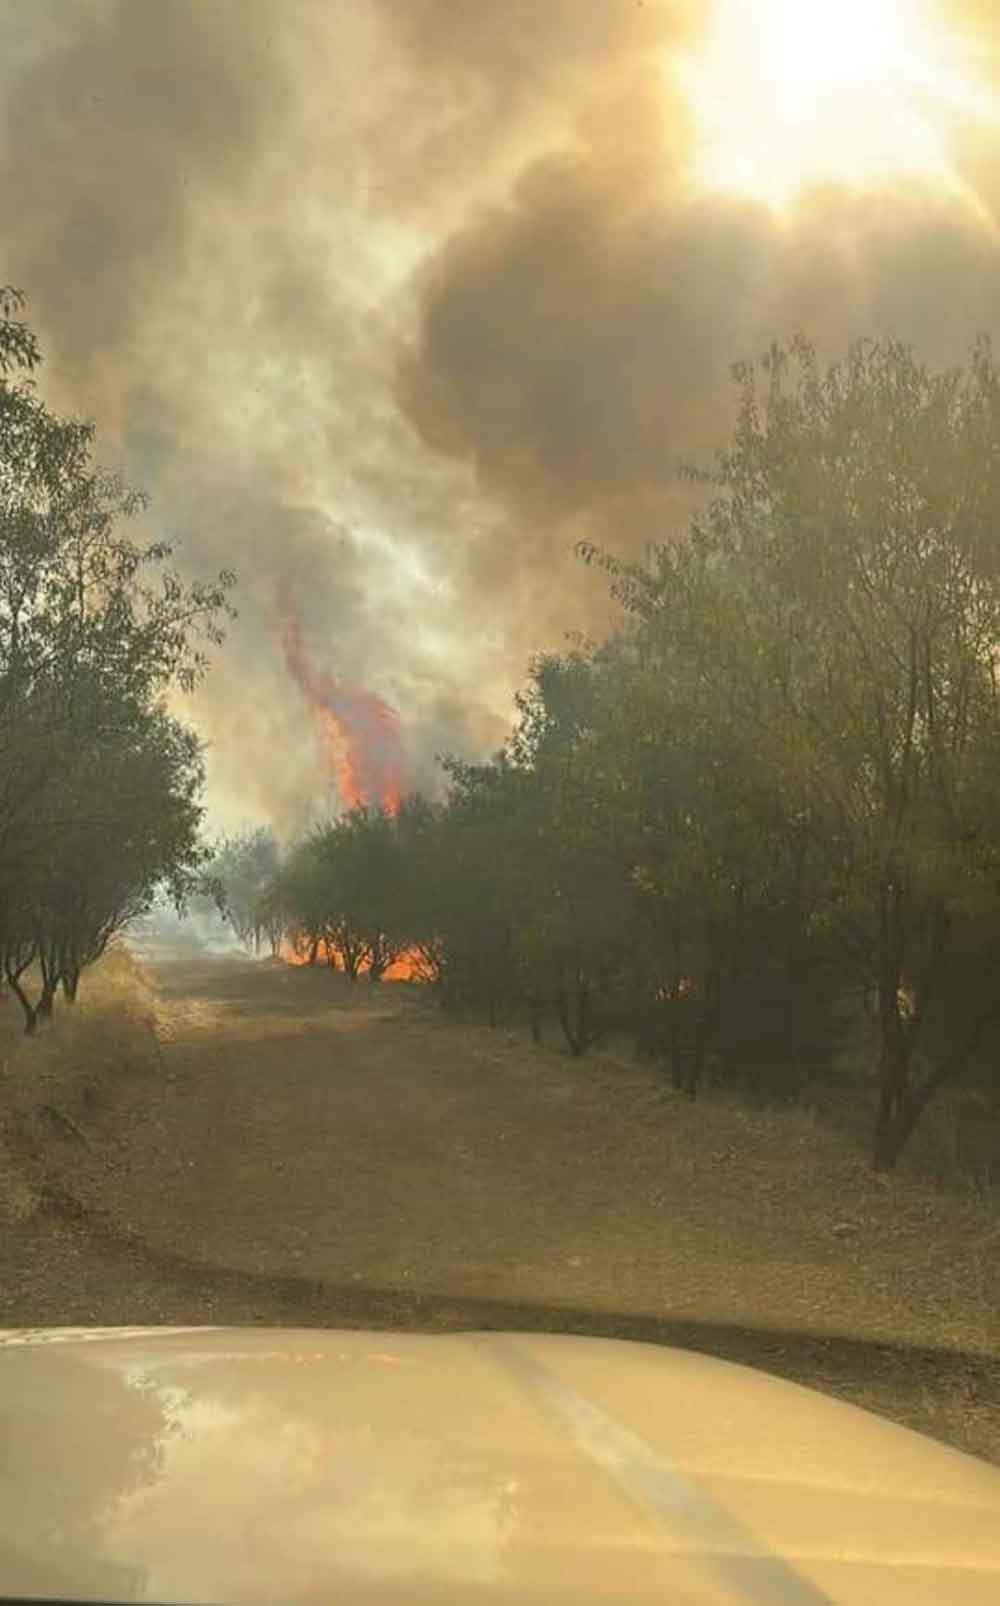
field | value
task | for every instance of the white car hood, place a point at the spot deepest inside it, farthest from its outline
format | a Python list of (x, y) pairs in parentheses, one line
[(250, 1465)]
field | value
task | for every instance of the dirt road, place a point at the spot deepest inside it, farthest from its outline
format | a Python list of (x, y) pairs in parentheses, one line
[(295, 1152)]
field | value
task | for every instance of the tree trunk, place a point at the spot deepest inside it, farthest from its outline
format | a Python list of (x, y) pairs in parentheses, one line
[(51, 971), (705, 1029), (676, 1051), (687, 1043), (70, 983), (901, 1103), (895, 1118), (893, 1125), (28, 1009), (574, 1029), (562, 1015)]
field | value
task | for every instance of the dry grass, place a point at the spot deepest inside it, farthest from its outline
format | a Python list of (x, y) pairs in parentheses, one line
[(72, 1071), (792, 1228), (269, 1120)]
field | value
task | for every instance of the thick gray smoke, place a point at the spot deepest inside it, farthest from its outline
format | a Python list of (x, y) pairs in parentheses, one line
[(388, 303)]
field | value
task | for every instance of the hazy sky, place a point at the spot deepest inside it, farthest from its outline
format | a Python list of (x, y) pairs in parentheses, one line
[(388, 302)]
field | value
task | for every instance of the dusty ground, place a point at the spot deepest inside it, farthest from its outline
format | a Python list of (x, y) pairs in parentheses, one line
[(220, 1140)]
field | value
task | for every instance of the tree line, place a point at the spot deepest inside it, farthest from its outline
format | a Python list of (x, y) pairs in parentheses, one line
[(100, 786), (768, 802)]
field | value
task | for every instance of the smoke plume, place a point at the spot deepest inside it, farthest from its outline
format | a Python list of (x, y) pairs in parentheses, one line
[(387, 304)]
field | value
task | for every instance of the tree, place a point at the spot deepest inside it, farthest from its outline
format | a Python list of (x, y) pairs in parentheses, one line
[(90, 620), (375, 865), (575, 926), (299, 889), (245, 866), (359, 865), (850, 609), (532, 908), (474, 906), (422, 864), (715, 864), (94, 628), (343, 893), (129, 820)]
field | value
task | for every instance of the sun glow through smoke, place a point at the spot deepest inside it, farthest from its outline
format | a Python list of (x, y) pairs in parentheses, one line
[(791, 93)]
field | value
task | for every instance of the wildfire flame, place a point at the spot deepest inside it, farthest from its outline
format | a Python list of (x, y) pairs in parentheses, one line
[(359, 731), (405, 968)]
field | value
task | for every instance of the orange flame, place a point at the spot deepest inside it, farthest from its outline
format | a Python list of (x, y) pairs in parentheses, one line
[(360, 731), (405, 968)]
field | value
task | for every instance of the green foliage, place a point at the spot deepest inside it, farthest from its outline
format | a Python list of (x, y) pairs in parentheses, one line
[(824, 642), (858, 514), (342, 893), (775, 789), (98, 787), (242, 872)]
